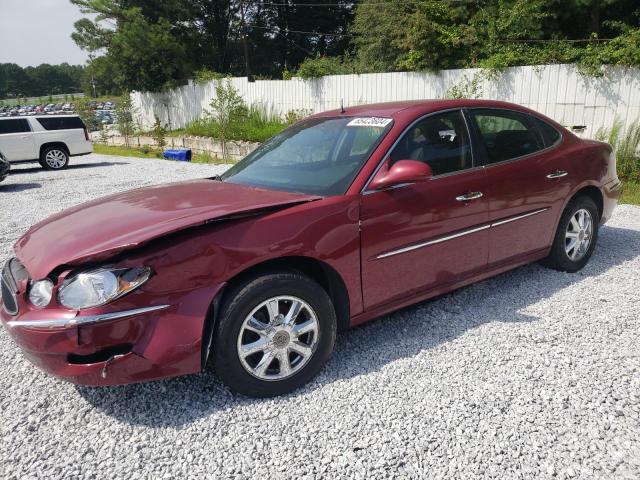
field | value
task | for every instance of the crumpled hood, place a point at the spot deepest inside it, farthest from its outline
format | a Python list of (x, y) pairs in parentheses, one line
[(101, 228)]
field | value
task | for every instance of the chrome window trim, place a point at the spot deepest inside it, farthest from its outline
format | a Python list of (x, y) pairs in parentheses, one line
[(64, 323), (458, 234), (364, 190), (557, 143)]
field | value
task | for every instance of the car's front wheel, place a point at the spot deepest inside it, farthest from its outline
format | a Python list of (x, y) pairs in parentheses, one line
[(576, 236), (54, 158), (275, 333)]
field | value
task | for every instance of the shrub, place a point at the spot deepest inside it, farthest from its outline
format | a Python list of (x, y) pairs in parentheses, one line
[(321, 66), (126, 114), (159, 133), (294, 116), (230, 119), (205, 76), (626, 144)]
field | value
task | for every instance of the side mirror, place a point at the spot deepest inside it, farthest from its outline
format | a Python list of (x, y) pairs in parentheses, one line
[(403, 171)]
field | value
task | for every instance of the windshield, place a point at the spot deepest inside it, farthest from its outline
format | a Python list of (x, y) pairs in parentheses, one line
[(319, 156)]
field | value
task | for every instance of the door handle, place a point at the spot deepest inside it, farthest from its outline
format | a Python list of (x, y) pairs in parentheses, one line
[(469, 196), (558, 174)]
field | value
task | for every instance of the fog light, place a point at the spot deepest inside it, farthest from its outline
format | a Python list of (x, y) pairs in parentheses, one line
[(40, 293)]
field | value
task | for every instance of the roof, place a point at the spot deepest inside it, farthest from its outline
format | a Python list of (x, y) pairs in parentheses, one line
[(393, 109)]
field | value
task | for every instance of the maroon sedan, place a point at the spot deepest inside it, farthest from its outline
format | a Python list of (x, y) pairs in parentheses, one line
[(343, 217)]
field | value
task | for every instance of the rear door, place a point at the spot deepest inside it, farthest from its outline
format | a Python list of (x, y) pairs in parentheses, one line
[(16, 140), (66, 129), (418, 236), (528, 180)]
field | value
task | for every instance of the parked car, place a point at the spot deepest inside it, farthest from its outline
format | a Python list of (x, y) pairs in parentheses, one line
[(343, 217), (5, 166), (48, 140)]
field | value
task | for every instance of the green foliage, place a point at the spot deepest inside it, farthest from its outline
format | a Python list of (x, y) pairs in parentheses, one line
[(630, 193), (258, 125), (87, 116), (44, 79), (294, 116), (321, 66), (467, 88), (627, 148), (104, 134), (231, 120), (148, 152), (159, 133), (205, 75), (99, 72), (495, 34), (126, 121)]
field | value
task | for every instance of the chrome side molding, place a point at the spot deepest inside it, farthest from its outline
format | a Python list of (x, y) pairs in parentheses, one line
[(458, 234), (79, 321)]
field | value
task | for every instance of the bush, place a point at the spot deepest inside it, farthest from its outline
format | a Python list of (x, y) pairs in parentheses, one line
[(205, 76), (230, 119), (159, 133), (321, 66)]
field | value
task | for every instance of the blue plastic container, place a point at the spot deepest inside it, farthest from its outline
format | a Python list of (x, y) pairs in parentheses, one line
[(182, 155)]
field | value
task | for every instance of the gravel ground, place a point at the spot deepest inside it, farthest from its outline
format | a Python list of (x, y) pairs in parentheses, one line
[(533, 374)]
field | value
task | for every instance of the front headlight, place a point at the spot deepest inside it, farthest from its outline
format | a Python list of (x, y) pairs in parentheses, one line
[(97, 287)]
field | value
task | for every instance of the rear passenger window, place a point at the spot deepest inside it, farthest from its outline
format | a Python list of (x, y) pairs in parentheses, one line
[(441, 141), (14, 125), (549, 134), (60, 123), (507, 134)]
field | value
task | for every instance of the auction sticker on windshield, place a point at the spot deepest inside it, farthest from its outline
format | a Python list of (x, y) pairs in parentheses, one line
[(369, 122)]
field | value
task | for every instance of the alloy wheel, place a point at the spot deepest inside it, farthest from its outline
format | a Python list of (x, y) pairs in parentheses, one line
[(578, 235), (55, 159), (278, 338)]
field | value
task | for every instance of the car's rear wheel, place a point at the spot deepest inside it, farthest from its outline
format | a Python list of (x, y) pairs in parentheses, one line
[(576, 236), (54, 158), (275, 333)]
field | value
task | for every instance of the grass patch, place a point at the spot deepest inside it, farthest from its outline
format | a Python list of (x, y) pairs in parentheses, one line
[(126, 151), (146, 152), (257, 124), (630, 193)]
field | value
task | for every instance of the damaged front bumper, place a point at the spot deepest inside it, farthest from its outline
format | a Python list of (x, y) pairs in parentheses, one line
[(143, 336)]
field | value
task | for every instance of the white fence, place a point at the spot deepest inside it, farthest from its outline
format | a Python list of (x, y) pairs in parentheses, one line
[(557, 91)]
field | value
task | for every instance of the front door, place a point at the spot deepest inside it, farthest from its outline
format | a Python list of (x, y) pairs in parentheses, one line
[(528, 180), (418, 236)]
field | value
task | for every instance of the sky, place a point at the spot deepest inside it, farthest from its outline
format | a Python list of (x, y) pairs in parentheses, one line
[(38, 31)]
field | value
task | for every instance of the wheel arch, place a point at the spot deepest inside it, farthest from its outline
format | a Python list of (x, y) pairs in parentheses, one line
[(47, 145), (321, 272), (593, 192)]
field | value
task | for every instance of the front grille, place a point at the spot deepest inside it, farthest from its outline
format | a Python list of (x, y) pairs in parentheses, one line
[(12, 273)]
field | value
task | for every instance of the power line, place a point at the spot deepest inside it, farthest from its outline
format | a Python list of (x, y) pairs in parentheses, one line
[(317, 34), (332, 5)]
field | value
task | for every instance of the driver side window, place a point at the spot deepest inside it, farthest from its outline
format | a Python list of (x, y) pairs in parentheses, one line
[(441, 141)]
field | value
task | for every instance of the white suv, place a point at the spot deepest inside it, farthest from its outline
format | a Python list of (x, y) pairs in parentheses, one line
[(50, 140)]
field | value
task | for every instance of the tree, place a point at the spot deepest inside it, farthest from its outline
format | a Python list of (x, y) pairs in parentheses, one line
[(38, 81), (126, 121), (491, 33)]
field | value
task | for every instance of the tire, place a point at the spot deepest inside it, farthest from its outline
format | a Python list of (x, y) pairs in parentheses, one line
[(54, 158), (563, 258), (290, 353)]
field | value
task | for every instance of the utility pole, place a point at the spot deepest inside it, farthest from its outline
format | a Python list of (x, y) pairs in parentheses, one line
[(244, 42), (93, 82)]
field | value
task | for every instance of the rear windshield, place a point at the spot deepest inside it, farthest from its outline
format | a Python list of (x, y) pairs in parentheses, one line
[(60, 123)]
